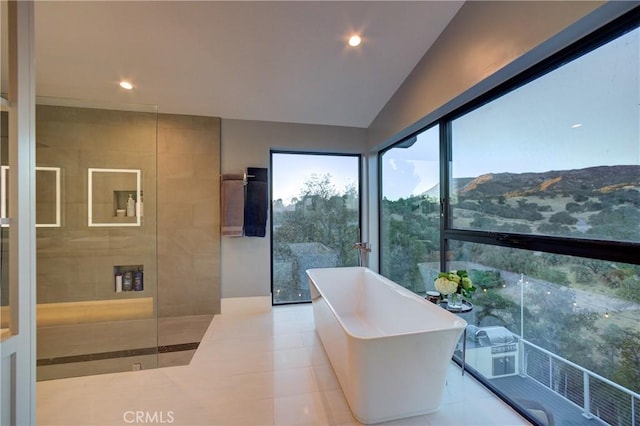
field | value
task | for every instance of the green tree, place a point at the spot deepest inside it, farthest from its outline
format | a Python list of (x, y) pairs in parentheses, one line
[(628, 373), (410, 227), (321, 215), (563, 218), (494, 309)]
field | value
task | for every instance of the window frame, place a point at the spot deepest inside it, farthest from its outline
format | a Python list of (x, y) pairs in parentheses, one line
[(608, 250), (360, 203), (615, 251), (380, 178)]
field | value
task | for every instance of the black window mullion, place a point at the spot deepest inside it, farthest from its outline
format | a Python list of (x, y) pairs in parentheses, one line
[(445, 186), (614, 251)]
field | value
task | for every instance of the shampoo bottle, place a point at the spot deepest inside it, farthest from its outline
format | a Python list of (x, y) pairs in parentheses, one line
[(118, 282), (131, 206), (139, 206), (137, 281), (127, 281)]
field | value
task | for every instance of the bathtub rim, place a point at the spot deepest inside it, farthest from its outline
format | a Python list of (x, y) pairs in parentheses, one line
[(457, 322)]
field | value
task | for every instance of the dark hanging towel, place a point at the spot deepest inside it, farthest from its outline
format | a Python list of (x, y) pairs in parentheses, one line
[(256, 203)]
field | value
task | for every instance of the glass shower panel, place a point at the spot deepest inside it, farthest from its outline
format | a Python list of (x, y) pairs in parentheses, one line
[(4, 158), (5, 312), (96, 243)]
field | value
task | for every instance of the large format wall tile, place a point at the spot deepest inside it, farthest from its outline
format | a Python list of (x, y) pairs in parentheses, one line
[(188, 215)]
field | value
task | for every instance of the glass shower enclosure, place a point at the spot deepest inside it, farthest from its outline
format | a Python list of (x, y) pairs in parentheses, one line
[(96, 238)]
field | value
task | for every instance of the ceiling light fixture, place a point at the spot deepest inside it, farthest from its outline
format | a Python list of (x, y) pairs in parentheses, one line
[(126, 85), (355, 40)]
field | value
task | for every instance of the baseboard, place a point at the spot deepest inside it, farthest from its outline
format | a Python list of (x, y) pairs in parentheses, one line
[(245, 305)]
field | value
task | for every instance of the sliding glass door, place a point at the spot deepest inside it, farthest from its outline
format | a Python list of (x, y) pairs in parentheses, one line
[(315, 219)]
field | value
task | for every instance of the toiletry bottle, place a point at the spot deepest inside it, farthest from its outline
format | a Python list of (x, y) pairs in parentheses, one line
[(131, 206), (139, 206), (118, 282), (137, 280), (127, 281)]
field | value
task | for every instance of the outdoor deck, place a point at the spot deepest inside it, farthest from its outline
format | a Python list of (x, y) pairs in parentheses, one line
[(524, 388)]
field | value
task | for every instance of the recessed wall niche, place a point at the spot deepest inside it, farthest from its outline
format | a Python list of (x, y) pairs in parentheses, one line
[(114, 197)]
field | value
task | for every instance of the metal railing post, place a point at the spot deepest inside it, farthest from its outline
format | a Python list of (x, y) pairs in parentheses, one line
[(587, 375), (551, 373), (586, 391), (523, 362)]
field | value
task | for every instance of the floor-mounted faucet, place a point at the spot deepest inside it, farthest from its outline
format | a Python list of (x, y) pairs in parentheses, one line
[(363, 247)]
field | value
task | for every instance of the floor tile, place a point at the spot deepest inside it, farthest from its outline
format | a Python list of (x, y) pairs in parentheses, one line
[(304, 409), (291, 358), (264, 370), (325, 377), (294, 381)]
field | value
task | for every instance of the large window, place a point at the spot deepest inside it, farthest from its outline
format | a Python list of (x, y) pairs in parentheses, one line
[(410, 209), (557, 156), (315, 220), (539, 183)]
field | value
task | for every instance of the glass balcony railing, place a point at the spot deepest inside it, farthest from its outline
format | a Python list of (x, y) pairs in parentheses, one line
[(595, 388), (563, 339)]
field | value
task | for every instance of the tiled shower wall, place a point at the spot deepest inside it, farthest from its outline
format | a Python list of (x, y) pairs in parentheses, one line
[(76, 262), (188, 215)]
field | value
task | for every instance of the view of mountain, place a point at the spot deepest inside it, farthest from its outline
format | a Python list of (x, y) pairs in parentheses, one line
[(588, 181)]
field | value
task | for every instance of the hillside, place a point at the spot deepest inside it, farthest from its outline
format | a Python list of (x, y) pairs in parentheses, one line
[(591, 181)]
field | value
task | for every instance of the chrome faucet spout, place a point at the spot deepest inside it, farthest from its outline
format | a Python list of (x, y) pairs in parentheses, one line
[(362, 246)]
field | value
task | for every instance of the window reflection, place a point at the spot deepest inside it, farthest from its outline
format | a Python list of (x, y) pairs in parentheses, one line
[(410, 210)]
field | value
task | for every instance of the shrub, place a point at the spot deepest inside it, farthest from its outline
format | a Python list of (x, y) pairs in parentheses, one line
[(486, 279), (563, 218)]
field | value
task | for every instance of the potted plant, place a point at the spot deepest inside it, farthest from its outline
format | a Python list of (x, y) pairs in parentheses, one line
[(455, 285)]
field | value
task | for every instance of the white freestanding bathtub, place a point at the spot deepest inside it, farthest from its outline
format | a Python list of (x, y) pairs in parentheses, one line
[(390, 348)]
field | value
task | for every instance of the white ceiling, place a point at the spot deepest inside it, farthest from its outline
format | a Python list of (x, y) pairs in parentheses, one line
[(272, 61)]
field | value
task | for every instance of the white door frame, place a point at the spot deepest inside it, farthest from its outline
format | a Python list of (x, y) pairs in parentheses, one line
[(18, 350)]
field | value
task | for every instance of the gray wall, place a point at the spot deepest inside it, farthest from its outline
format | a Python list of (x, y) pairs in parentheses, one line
[(179, 240), (246, 261), (188, 215), (75, 262), (486, 43)]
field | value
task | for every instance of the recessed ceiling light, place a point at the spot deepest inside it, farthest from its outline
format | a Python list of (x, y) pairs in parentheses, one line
[(355, 40), (126, 85)]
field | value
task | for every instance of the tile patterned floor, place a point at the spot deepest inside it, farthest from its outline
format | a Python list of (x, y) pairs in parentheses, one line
[(267, 369)]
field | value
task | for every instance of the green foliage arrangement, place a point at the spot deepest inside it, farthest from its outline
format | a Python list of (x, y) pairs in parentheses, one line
[(455, 282)]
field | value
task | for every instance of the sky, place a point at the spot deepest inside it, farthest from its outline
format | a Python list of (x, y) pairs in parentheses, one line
[(600, 91), (585, 113), (291, 171)]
